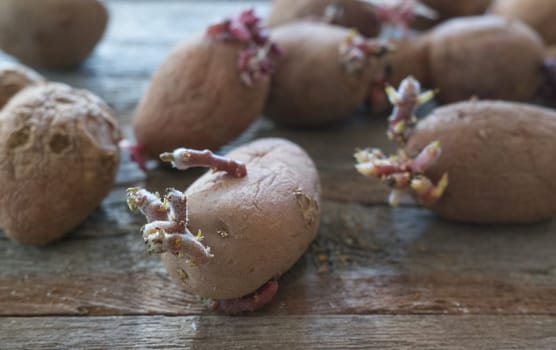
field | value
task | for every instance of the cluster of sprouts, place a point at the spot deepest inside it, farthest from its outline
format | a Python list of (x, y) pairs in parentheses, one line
[(405, 101), (356, 51), (167, 228), (401, 172), (257, 60)]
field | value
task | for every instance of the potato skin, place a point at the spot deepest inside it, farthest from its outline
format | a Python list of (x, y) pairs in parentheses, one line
[(448, 9), (499, 157), (310, 86), (488, 57), (51, 33), (409, 57), (357, 14), (539, 14), (257, 226), (196, 99), (13, 78), (58, 160)]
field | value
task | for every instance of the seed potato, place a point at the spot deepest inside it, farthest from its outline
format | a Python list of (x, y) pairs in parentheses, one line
[(51, 33), (499, 159), (58, 160), (257, 226)]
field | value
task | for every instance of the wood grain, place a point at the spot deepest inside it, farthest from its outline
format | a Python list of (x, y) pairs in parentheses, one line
[(366, 260), (304, 332)]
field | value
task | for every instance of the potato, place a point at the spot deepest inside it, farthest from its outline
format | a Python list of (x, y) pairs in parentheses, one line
[(313, 83), (59, 155), (539, 14), (447, 9), (257, 213), (499, 159), (348, 13), (198, 97), (488, 57), (51, 33), (13, 78), (245, 220)]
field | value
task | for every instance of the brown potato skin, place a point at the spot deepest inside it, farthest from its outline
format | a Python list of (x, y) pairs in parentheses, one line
[(357, 14), (51, 33), (196, 99), (409, 57), (499, 157), (488, 57), (58, 159), (539, 14), (448, 9), (270, 217), (13, 78), (310, 86)]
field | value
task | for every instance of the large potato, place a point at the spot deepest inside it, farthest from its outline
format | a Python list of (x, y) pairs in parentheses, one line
[(488, 57), (311, 85), (539, 14), (347, 13), (499, 157), (51, 33), (58, 159), (197, 98), (256, 226)]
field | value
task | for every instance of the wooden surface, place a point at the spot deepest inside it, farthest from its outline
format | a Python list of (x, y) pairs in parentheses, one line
[(375, 278)]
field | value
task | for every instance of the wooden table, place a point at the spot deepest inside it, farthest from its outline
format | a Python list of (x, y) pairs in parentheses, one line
[(376, 277)]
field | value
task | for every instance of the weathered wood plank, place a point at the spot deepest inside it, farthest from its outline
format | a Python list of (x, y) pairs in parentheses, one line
[(311, 332), (366, 260)]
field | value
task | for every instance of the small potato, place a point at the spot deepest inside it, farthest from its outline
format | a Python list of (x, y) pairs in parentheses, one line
[(315, 82), (488, 57), (209, 89), (346, 13), (51, 33), (13, 78), (59, 155), (197, 99), (499, 157), (539, 14)]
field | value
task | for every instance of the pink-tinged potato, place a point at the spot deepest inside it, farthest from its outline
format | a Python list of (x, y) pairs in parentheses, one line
[(323, 75), (51, 33), (14, 78), (209, 89), (488, 57), (237, 228), (538, 14), (59, 154), (499, 159), (352, 14)]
